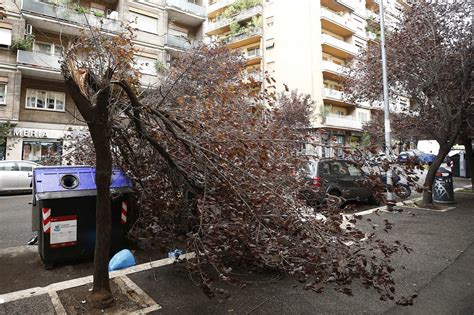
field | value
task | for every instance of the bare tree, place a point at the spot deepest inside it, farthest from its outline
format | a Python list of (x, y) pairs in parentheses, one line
[(430, 59), (90, 64)]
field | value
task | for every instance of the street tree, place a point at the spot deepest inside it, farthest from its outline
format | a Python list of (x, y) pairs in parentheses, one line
[(89, 66), (430, 60), (214, 164)]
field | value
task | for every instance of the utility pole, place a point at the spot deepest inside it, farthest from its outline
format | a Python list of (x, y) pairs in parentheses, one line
[(388, 131)]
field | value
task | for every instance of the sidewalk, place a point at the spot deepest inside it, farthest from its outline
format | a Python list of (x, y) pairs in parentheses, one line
[(440, 270)]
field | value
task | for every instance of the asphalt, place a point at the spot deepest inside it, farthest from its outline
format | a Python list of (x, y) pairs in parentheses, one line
[(439, 270), (15, 220)]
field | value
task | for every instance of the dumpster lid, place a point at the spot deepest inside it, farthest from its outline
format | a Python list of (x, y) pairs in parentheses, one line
[(73, 179)]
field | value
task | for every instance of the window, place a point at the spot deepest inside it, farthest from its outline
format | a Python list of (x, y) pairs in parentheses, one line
[(339, 113), (146, 65), (270, 43), (8, 166), (339, 139), (25, 167), (354, 170), (270, 21), (144, 22), (362, 117), (3, 93), (48, 48), (271, 66), (46, 100), (5, 37), (40, 151), (253, 52)]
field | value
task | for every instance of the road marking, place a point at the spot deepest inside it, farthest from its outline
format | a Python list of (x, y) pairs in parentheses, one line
[(18, 295), (152, 305), (399, 204), (19, 196), (58, 306)]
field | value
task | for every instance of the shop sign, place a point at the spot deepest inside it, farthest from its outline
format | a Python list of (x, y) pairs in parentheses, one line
[(30, 133)]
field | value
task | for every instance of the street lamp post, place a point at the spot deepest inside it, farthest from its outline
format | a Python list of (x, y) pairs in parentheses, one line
[(388, 131)]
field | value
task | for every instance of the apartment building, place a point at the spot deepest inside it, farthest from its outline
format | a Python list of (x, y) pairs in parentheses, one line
[(33, 97), (306, 45)]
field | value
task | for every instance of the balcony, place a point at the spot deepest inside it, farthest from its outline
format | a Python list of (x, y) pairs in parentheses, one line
[(336, 23), (38, 64), (335, 97), (186, 12), (345, 122), (372, 5), (253, 76), (332, 70), (178, 42), (220, 4), (61, 13), (337, 47), (338, 5), (347, 3), (213, 28), (253, 58), (242, 39)]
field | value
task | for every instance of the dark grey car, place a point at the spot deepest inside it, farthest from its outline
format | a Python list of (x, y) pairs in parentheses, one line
[(338, 178)]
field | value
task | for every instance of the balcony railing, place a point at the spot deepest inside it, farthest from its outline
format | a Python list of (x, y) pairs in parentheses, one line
[(241, 36), (343, 121), (336, 18), (38, 60), (256, 76), (66, 14), (347, 3), (334, 94), (219, 5), (210, 26), (253, 55), (187, 6), (332, 41), (332, 67), (179, 42)]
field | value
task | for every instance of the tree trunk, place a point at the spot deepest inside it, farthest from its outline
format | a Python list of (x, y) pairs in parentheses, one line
[(101, 294), (467, 142), (427, 200)]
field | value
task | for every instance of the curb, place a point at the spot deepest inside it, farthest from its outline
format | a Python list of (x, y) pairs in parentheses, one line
[(52, 289), (406, 203)]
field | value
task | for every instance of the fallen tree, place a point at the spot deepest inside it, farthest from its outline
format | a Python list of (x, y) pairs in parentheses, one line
[(214, 164)]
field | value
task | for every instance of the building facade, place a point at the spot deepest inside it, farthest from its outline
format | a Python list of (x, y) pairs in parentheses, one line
[(306, 45), (33, 96)]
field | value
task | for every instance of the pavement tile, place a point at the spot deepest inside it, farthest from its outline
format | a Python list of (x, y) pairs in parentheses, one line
[(40, 304)]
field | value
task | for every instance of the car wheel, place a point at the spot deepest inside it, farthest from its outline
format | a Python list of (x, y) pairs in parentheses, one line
[(373, 201), (402, 191)]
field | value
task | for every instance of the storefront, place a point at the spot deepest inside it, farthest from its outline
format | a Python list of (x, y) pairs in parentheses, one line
[(40, 145)]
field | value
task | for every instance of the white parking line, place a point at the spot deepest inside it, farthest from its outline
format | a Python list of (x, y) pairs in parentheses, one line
[(54, 287)]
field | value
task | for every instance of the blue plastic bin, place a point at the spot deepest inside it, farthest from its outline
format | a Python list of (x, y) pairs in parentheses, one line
[(63, 212)]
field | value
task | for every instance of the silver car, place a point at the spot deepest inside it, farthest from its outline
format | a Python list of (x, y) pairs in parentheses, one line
[(16, 176)]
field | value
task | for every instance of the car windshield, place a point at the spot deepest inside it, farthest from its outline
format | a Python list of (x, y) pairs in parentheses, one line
[(310, 169)]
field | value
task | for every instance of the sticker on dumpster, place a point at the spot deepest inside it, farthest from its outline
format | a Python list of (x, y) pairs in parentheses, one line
[(63, 231)]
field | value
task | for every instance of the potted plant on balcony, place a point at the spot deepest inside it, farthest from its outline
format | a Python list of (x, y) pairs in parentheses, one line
[(25, 43)]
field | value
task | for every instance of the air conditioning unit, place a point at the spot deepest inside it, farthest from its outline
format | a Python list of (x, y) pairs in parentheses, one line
[(28, 29)]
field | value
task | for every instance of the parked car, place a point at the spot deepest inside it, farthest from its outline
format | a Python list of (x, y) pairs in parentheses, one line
[(379, 158), (335, 177), (16, 176), (416, 156)]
